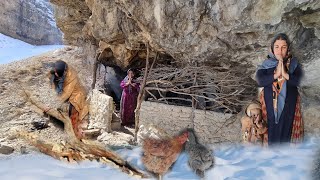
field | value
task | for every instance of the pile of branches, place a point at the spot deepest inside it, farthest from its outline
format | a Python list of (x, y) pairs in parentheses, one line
[(217, 88)]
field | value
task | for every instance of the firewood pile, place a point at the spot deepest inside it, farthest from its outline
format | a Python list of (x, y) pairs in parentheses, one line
[(204, 87)]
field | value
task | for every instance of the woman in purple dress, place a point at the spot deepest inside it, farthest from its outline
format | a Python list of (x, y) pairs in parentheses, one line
[(129, 98)]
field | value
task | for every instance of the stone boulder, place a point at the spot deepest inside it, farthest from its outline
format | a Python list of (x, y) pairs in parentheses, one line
[(6, 149), (101, 111)]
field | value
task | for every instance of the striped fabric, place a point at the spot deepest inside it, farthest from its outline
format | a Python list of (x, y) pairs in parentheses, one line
[(297, 128)]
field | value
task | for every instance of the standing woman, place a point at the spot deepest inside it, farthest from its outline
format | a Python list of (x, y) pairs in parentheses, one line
[(129, 98), (280, 75)]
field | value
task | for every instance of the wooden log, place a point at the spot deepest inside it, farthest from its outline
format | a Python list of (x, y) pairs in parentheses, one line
[(95, 67), (75, 149), (141, 92), (54, 113), (79, 151)]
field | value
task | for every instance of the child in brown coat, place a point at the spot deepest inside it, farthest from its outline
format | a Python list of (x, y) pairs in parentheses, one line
[(253, 127)]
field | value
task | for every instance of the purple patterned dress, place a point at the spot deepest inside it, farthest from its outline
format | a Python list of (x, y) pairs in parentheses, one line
[(128, 101)]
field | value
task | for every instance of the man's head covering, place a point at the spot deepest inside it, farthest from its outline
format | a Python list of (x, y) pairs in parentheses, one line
[(60, 67)]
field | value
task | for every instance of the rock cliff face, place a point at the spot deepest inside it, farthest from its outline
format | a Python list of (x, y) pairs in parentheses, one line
[(71, 17), (197, 30), (235, 32), (30, 21)]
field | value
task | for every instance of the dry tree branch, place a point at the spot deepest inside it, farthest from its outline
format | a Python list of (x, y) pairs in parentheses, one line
[(75, 149), (154, 97), (95, 67), (141, 92)]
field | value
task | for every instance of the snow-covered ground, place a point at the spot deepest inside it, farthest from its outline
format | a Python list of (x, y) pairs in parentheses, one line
[(13, 49), (232, 162)]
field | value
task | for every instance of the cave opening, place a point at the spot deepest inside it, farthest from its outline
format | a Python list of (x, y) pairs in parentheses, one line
[(205, 86)]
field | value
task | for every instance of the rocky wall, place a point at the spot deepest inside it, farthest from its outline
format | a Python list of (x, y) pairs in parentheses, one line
[(32, 21), (212, 127)]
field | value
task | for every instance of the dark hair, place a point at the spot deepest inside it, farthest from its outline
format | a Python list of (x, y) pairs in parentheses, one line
[(280, 36), (60, 67)]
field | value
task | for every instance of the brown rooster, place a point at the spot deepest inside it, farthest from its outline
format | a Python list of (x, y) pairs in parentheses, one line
[(160, 154)]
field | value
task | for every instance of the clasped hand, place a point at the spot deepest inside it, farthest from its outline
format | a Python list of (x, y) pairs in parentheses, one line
[(280, 71), (130, 82)]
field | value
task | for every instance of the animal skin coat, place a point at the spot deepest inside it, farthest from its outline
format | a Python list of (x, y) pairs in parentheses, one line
[(74, 93)]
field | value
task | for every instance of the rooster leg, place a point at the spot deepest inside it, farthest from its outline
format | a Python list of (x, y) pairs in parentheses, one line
[(160, 177)]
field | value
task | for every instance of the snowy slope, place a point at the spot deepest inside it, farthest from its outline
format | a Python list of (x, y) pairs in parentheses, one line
[(232, 162), (8, 42), (12, 49)]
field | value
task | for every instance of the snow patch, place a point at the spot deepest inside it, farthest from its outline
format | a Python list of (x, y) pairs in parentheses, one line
[(232, 162), (13, 49)]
